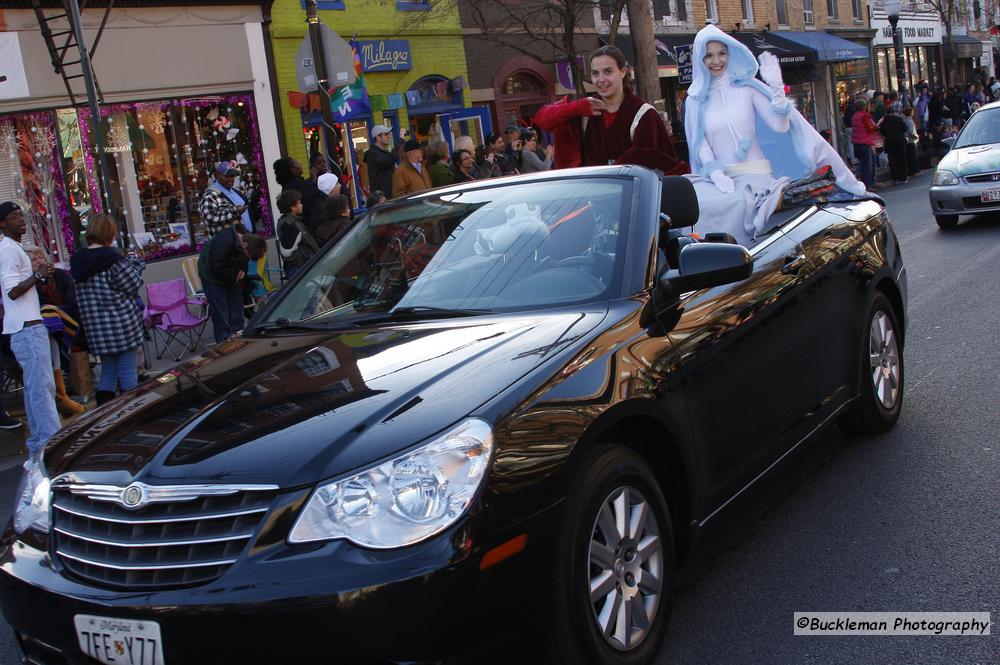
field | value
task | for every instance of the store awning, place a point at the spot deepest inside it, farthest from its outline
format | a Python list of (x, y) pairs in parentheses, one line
[(828, 48), (965, 46), (787, 51), (791, 48)]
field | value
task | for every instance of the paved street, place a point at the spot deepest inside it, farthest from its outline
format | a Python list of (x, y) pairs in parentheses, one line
[(903, 521)]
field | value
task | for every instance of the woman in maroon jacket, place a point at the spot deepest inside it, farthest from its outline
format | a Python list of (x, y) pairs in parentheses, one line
[(616, 127)]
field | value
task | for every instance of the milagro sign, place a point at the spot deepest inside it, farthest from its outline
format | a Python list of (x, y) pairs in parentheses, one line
[(915, 31), (385, 55)]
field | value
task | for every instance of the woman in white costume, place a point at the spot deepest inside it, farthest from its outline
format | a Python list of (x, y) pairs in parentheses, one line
[(745, 138)]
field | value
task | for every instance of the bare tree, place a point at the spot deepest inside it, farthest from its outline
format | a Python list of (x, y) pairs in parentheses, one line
[(640, 20), (616, 20), (550, 31), (947, 11)]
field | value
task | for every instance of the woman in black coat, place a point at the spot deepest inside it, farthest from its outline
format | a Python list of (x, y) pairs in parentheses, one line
[(894, 131), (288, 173)]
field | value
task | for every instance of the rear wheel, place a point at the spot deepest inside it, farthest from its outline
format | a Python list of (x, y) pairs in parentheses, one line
[(881, 397), (614, 563), (946, 221)]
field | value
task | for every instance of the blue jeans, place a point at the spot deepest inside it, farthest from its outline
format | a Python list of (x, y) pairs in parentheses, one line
[(31, 348), (118, 369), (225, 305), (866, 156)]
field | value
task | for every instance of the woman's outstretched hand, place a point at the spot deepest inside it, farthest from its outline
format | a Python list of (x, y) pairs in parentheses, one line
[(770, 71), (597, 105), (722, 181)]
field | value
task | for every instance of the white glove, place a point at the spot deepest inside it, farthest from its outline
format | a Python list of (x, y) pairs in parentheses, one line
[(770, 72), (722, 181)]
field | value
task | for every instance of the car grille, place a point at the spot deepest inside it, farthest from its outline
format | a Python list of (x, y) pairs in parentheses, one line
[(984, 177), (973, 202), (183, 536)]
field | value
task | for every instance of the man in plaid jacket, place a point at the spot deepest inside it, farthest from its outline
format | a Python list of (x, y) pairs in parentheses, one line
[(221, 205)]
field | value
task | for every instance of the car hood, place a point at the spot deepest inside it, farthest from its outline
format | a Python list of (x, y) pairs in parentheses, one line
[(293, 409), (972, 160)]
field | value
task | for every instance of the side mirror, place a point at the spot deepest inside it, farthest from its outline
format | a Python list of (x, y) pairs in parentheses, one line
[(704, 265), (678, 202)]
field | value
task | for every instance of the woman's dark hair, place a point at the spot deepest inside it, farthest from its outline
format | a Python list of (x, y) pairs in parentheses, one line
[(527, 135), (256, 246), (337, 205), (374, 198), (458, 155), (287, 199), (612, 52), (480, 154), (283, 169)]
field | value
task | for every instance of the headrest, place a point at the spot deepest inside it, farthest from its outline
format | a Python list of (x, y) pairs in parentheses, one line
[(678, 201)]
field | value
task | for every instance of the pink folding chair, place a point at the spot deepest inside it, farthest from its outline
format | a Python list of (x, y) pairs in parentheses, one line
[(168, 317)]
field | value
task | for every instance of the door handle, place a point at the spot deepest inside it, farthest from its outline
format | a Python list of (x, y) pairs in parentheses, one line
[(793, 264)]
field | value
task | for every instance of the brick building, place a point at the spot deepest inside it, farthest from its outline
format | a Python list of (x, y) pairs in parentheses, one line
[(511, 72)]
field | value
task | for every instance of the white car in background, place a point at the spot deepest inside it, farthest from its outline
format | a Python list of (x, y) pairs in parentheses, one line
[(967, 181)]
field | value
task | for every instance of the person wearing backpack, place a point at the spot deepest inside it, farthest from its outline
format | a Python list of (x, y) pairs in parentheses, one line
[(615, 127)]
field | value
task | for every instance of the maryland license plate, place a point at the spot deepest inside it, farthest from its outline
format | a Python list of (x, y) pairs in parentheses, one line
[(991, 195), (119, 641)]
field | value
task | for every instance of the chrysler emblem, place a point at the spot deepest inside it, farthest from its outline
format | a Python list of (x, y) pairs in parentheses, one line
[(133, 496)]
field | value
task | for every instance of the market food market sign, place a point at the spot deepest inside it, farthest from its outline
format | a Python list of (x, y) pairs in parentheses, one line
[(915, 31), (385, 55)]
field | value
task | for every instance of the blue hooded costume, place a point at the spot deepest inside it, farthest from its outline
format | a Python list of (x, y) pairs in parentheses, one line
[(740, 126)]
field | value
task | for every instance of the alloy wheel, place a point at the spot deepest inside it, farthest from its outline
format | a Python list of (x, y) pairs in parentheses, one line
[(883, 353), (626, 567)]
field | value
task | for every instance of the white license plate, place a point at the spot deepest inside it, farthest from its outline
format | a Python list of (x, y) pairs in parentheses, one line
[(991, 195), (119, 641)]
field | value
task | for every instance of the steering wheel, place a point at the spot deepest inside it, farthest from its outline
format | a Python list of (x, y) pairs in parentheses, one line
[(597, 264)]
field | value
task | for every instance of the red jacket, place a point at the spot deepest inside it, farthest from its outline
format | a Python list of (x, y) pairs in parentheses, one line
[(606, 145)]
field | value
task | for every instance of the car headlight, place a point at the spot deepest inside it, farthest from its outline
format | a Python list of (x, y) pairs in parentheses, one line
[(32, 509), (404, 500), (942, 177)]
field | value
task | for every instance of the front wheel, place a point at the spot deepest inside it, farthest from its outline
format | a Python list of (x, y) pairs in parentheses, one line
[(614, 563), (946, 221), (881, 394)]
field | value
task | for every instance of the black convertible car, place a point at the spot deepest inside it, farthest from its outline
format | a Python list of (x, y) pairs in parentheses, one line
[(500, 409)]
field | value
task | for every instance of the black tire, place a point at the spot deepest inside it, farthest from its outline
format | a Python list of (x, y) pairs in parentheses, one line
[(575, 637), (946, 221), (870, 413)]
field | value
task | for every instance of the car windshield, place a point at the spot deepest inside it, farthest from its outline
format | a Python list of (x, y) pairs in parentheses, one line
[(983, 128), (505, 247)]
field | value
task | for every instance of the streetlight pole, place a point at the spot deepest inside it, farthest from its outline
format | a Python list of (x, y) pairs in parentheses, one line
[(322, 84), (892, 9)]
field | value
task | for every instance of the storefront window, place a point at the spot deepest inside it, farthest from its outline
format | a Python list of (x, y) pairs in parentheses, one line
[(852, 68), (161, 157), (805, 100), (30, 146), (523, 84)]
